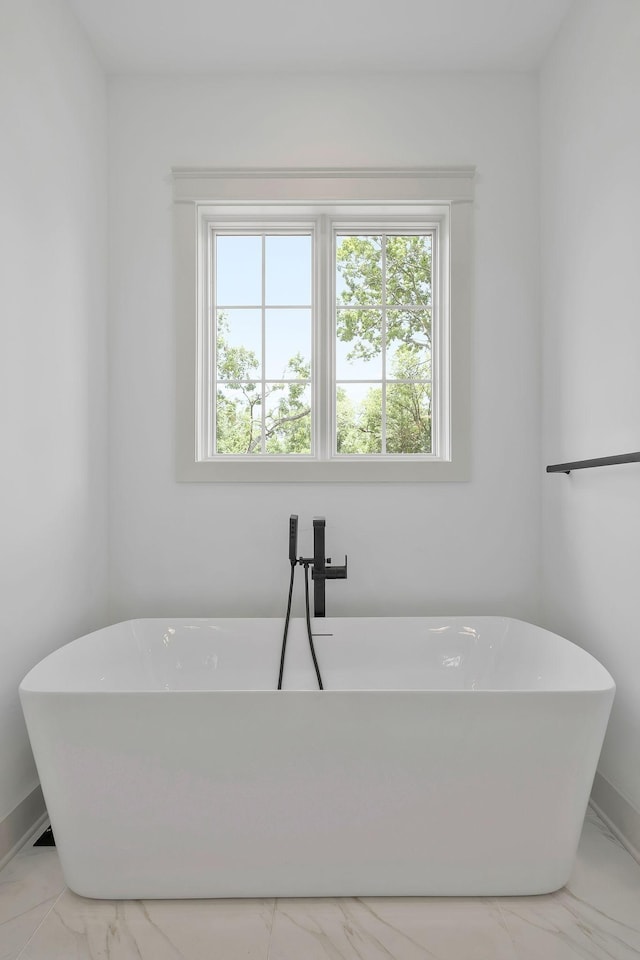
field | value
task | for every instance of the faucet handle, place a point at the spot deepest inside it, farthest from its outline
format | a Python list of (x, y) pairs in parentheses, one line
[(331, 573)]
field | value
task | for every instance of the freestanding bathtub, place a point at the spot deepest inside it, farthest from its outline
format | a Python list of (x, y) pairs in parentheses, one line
[(446, 756)]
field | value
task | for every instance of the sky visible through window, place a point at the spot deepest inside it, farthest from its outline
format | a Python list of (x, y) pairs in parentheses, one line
[(287, 283)]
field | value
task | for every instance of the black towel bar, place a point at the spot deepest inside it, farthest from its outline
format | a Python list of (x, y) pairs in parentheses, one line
[(598, 462)]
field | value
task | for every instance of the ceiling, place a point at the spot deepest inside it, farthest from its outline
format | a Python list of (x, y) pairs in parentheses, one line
[(208, 36)]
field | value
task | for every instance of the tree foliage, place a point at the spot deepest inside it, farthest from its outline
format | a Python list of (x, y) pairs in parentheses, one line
[(408, 414), (407, 284), (404, 288), (239, 402)]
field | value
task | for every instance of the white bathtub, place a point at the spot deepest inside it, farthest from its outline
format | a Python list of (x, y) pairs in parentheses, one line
[(446, 756)]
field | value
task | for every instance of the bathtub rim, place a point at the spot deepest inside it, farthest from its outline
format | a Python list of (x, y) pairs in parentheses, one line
[(606, 685)]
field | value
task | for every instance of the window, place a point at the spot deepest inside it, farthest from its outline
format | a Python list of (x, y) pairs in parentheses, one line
[(382, 335), (262, 320), (323, 323)]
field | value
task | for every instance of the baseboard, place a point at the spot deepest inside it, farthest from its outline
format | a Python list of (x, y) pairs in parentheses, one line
[(24, 820), (620, 816)]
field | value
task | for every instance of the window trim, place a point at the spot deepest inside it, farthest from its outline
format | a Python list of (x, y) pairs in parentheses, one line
[(197, 191)]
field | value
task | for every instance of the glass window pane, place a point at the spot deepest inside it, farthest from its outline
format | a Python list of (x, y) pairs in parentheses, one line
[(288, 418), (238, 276), (288, 271), (239, 345), (409, 345), (408, 418), (238, 418), (288, 344), (358, 344), (409, 269), (358, 418), (358, 270)]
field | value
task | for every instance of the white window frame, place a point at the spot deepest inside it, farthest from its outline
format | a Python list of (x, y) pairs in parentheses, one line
[(440, 200), (213, 223), (433, 220)]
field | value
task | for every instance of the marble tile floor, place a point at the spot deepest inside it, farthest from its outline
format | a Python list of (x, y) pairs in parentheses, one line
[(597, 915)]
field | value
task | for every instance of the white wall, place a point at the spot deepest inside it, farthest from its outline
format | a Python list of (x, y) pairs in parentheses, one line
[(52, 359), (590, 134), (222, 549)]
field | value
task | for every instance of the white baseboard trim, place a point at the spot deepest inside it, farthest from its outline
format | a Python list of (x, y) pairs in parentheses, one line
[(620, 816), (24, 820)]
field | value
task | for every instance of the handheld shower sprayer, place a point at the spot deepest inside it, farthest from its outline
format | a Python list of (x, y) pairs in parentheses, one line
[(293, 538)]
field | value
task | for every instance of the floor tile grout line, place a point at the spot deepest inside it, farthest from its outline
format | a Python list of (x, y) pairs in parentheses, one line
[(52, 907)]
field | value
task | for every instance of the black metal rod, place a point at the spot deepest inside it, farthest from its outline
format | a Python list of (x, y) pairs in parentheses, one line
[(286, 625), (308, 618), (319, 595), (598, 462)]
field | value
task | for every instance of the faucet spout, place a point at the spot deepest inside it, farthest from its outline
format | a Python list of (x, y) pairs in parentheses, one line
[(319, 524), (321, 571)]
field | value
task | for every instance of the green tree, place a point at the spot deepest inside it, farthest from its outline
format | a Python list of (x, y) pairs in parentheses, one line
[(404, 287), (408, 414), (239, 401), (359, 425), (407, 284), (408, 406), (288, 420)]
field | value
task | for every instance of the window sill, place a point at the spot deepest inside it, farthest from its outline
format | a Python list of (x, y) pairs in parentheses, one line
[(337, 471)]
